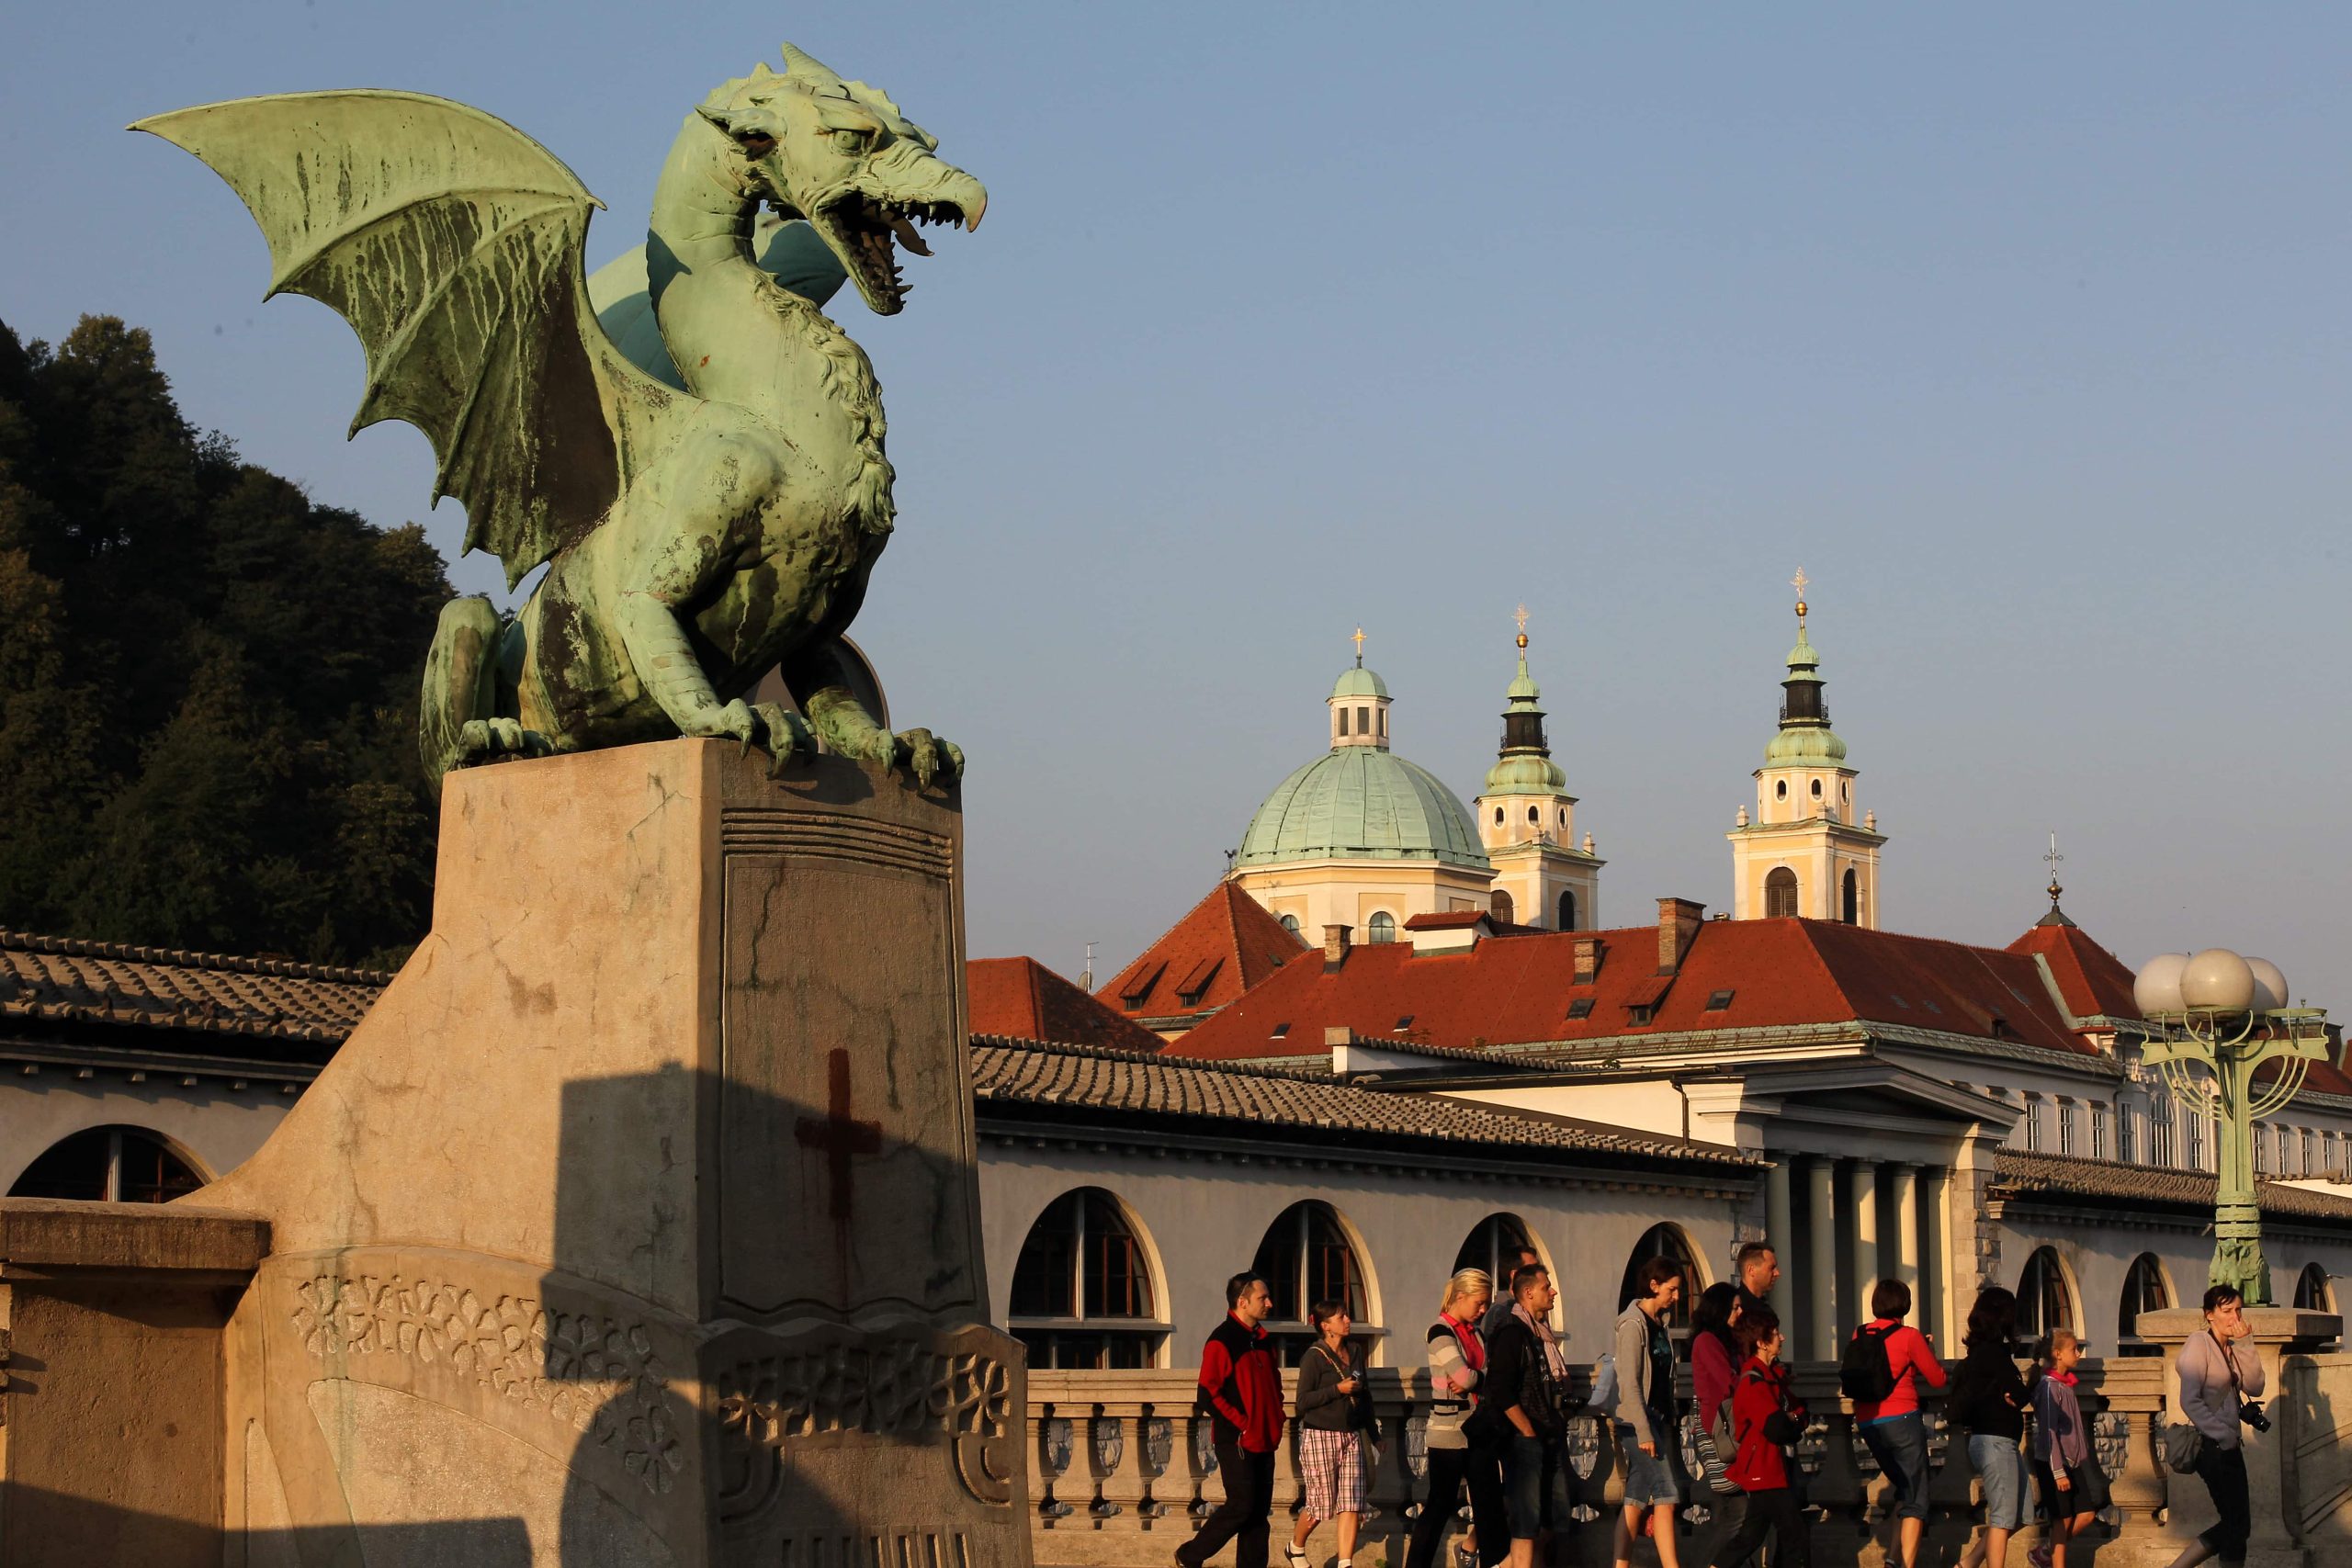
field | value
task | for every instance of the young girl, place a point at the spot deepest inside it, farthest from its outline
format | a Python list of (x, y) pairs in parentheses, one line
[(2073, 1488), (1766, 1418)]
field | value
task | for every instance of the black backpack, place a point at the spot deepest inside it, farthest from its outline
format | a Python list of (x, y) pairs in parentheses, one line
[(1866, 1372)]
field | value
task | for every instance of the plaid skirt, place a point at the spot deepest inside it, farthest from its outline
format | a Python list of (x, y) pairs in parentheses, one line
[(1332, 1463)]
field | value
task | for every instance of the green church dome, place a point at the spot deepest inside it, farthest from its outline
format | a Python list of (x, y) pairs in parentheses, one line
[(1526, 772), (1799, 746), (1362, 803), (1359, 682)]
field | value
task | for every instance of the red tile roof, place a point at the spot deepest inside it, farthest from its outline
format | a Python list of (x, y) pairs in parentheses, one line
[(1224, 946), (2093, 980), (47, 980), (1779, 974), (1447, 920), (1022, 999)]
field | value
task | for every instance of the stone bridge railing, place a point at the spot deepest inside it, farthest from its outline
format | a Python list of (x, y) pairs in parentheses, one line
[(1122, 1474)]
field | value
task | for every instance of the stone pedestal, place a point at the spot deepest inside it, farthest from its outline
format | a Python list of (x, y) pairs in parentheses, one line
[(639, 1218), (2279, 1334)]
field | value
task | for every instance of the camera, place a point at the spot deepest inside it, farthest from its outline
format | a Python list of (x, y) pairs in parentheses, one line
[(2251, 1412)]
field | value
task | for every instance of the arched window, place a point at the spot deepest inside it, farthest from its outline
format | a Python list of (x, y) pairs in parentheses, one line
[(2044, 1301), (2145, 1289), (1845, 792), (1381, 926), (1494, 1244), (1853, 899), (111, 1164), (1306, 1257), (1669, 1243), (1534, 815), (1816, 789), (1780, 892), (2312, 1292), (1082, 1293), (1499, 815), (1568, 911), (1290, 924), (1780, 789), (1564, 818), (1500, 905)]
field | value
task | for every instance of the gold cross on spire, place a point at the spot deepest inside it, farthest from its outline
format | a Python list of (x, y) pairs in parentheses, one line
[(1359, 642), (1521, 616), (2053, 857), (1798, 582)]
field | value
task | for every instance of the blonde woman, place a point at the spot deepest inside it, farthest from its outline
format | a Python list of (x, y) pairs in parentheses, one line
[(1457, 1366)]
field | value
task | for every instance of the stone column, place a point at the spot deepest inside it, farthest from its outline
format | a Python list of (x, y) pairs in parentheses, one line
[(1862, 1197), (1942, 1274), (1821, 1257), (1904, 1182), (1778, 1228)]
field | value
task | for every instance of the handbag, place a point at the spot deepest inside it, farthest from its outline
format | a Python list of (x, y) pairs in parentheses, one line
[(1717, 1447), (2183, 1444)]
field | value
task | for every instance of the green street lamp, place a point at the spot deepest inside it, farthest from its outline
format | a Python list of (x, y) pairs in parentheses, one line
[(2224, 1020)]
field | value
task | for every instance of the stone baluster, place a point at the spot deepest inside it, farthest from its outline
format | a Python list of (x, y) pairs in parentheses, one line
[(1115, 1453)]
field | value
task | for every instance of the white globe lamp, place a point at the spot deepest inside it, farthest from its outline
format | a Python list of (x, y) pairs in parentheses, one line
[(2156, 988), (2217, 980), (2269, 984)]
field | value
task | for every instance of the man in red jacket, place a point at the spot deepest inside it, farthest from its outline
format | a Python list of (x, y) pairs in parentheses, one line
[(1241, 1393)]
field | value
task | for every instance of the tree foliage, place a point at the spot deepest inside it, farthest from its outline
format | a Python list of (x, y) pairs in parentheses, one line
[(207, 684)]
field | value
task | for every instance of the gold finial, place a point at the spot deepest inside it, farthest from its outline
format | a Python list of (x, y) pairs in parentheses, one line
[(1798, 582), (1521, 616), (1358, 641)]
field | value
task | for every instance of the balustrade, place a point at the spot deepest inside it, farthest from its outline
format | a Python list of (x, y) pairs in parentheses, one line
[(1122, 1472)]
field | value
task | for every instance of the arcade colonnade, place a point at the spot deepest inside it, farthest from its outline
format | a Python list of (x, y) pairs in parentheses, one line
[(1841, 1224)]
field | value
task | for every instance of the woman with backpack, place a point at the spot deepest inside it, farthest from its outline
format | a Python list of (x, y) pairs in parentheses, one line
[(1989, 1398), (1885, 1364), (1457, 1367), (1334, 1417), (1715, 1358), (1765, 1418)]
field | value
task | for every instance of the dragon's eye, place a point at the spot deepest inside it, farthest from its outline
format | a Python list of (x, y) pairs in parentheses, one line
[(851, 142)]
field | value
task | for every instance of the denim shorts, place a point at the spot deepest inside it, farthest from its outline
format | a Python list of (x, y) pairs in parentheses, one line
[(1523, 1486), (1900, 1445), (1651, 1480), (2000, 1469)]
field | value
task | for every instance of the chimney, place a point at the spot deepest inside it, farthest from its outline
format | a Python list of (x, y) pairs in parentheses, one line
[(1588, 959), (1678, 920), (1335, 946)]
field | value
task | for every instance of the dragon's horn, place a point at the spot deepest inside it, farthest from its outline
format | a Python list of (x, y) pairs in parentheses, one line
[(796, 64)]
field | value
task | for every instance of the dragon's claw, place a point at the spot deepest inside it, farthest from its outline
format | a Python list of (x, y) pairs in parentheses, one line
[(932, 760), (787, 736)]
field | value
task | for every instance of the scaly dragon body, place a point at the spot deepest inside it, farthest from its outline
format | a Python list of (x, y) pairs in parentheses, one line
[(696, 541)]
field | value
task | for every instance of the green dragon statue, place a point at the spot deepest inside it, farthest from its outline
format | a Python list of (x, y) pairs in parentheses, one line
[(697, 539)]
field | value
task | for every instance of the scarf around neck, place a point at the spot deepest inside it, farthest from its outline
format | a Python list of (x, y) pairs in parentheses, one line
[(1553, 1357)]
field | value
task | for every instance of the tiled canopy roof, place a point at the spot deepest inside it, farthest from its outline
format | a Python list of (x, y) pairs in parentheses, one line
[(62, 980), (2110, 1181), (1764, 974), (1030, 1073), (2093, 980), (1021, 996), (1225, 944)]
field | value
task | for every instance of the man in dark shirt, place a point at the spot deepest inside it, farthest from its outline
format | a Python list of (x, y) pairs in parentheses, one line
[(1760, 1269), (1241, 1393)]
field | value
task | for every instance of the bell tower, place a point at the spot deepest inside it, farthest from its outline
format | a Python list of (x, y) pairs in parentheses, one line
[(1809, 849), (1527, 821)]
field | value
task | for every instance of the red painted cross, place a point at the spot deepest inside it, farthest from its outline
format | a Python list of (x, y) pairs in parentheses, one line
[(838, 1136)]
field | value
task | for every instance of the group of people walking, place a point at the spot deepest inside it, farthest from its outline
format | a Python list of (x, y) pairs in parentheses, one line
[(1501, 1401)]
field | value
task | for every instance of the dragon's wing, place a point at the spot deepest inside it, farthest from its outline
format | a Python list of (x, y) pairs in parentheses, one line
[(452, 244)]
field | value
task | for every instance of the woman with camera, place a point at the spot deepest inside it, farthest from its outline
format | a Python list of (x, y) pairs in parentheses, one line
[(1336, 1426), (2220, 1375)]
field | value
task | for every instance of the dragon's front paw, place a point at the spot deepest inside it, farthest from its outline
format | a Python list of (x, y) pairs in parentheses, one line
[(479, 740), (787, 736), (931, 759)]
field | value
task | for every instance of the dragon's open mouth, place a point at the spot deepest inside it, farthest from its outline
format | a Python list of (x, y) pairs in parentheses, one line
[(867, 233)]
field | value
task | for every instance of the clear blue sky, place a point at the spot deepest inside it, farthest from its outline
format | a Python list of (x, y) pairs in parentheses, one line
[(2022, 328)]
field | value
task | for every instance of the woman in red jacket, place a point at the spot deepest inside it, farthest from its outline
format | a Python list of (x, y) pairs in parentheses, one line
[(1765, 1418)]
